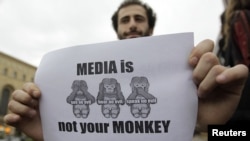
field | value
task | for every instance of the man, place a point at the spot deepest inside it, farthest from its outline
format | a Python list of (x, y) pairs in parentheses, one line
[(135, 19), (219, 87)]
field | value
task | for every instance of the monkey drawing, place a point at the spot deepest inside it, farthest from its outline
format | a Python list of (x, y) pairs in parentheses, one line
[(140, 99), (80, 98), (110, 97)]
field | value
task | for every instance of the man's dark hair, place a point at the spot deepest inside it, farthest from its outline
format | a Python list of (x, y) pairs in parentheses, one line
[(149, 11)]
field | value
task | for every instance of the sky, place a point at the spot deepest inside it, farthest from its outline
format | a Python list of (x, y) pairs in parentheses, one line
[(31, 28)]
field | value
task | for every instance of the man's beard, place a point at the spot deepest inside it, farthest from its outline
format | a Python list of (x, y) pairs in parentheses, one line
[(140, 34)]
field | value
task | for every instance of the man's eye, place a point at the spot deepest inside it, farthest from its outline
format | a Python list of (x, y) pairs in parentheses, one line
[(124, 20), (139, 19)]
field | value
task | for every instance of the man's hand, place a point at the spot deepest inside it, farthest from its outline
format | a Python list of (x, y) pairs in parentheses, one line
[(25, 111), (219, 87)]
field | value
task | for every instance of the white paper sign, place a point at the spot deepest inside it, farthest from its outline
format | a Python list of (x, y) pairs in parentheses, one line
[(127, 90)]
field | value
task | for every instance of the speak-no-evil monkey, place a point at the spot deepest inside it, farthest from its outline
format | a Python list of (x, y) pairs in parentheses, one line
[(140, 99)]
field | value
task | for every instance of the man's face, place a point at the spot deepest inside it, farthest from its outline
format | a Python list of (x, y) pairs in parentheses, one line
[(133, 22)]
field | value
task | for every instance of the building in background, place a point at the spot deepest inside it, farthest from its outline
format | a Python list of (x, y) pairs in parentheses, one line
[(13, 74)]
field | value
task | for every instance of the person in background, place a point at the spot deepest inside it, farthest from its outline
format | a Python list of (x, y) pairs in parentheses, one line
[(219, 87), (231, 48)]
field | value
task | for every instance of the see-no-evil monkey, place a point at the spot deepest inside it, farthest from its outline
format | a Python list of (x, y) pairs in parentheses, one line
[(80, 98)]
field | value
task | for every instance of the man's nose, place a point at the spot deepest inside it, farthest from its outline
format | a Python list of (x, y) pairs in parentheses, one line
[(132, 25)]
